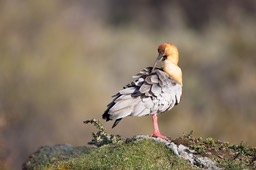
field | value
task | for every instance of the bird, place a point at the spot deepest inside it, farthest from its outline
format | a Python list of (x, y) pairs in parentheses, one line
[(155, 90)]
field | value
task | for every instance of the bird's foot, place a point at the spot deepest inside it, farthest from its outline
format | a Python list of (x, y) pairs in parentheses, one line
[(158, 135)]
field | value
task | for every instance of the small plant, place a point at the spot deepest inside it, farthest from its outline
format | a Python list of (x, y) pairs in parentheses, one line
[(102, 137), (210, 141)]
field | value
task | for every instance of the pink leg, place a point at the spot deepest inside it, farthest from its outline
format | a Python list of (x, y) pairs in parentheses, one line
[(156, 129)]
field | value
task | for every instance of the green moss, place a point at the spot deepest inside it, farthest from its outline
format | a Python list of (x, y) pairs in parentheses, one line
[(145, 154), (232, 165), (45, 156), (142, 154)]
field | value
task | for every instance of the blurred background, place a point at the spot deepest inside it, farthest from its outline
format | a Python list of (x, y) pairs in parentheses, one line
[(61, 61)]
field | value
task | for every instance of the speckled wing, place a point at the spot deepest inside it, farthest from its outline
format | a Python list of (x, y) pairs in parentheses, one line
[(152, 92)]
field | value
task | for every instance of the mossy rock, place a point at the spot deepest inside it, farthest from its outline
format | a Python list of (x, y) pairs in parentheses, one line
[(112, 152), (141, 154)]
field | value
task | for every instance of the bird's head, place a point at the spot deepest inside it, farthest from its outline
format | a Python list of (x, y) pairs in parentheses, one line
[(167, 52)]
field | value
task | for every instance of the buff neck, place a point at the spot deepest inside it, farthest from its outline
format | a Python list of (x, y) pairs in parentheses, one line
[(173, 70)]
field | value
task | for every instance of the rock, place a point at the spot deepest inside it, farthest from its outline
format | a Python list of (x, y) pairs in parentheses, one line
[(184, 152)]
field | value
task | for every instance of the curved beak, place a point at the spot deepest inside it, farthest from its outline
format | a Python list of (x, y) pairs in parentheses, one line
[(159, 57)]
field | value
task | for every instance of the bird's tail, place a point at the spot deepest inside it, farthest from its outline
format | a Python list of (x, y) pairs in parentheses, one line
[(106, 116), (116, 122)]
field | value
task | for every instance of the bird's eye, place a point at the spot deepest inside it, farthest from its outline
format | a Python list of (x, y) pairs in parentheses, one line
[(164, 58)]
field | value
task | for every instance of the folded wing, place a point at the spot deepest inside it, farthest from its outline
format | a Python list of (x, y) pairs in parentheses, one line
[(152, 92)]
